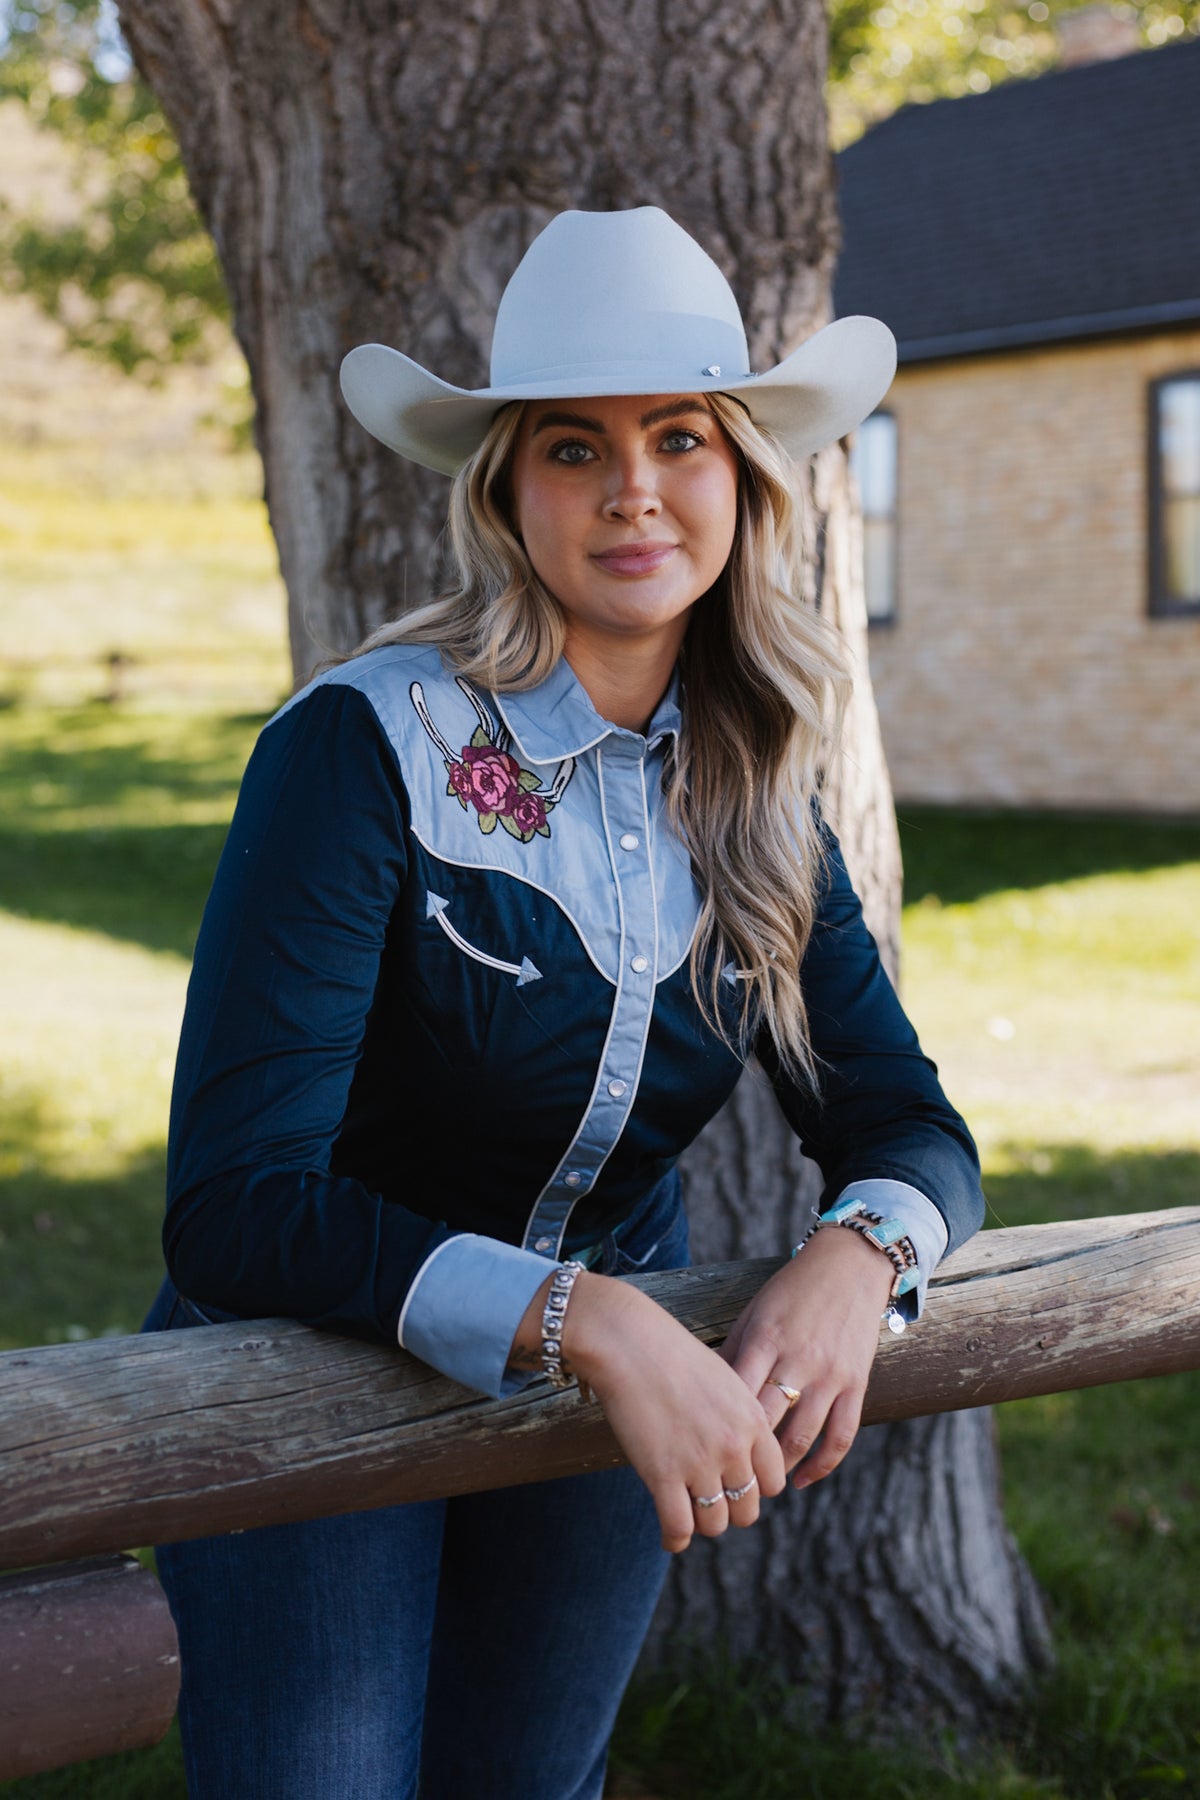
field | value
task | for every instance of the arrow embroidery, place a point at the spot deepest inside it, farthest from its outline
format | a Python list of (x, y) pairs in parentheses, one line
[(525, 971)]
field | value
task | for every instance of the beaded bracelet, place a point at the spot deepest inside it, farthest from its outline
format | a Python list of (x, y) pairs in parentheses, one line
[(553, 1314), (887, 1235)]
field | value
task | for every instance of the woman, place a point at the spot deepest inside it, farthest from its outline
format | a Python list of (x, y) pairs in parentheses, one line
[(509, 898)]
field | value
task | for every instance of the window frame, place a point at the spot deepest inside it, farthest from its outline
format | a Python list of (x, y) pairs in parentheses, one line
[(1161, 604), (884, 621)]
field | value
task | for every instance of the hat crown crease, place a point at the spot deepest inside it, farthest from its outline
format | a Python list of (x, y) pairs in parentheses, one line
[(610, 290)]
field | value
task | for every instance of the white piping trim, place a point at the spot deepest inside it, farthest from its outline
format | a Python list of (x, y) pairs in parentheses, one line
[(499, 869), (415, 1282), (641, 1061), (560, 755), (565, 1159)]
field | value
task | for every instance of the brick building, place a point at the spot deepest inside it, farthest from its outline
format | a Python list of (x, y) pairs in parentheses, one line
[(1031, 487)]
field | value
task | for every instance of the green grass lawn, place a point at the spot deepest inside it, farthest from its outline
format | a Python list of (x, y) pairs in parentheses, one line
[(1052, 966)]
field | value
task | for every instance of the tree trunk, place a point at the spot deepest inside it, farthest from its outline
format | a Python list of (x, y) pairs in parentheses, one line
[(374, 173)]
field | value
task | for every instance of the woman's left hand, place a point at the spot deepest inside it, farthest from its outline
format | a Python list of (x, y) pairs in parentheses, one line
[(814, 1326)]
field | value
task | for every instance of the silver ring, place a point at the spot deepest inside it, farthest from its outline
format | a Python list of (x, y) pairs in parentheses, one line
[(740, 1493), (790, 1394), (699, 1500)]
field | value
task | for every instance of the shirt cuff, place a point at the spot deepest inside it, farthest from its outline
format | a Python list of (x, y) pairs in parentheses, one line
[(921, 1220), (464, 1306)]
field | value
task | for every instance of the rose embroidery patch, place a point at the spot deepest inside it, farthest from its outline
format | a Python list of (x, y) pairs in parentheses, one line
[(487, 777)]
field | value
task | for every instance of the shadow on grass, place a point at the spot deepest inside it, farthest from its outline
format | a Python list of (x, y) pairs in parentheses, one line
[(712, 1732), (91, 833), (959, 856), (141, 886), (1072, 1181), (80, 1257)]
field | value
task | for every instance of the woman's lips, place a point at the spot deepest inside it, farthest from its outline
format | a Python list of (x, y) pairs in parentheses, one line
[(639, 558)]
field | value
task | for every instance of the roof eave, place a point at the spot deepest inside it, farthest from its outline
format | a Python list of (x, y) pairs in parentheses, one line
[(1049, 331)]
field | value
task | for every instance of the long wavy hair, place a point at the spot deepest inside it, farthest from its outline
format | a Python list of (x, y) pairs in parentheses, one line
[(765, 683)]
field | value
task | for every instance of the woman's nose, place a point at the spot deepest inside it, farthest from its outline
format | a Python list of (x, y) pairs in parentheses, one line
[(632, 491)]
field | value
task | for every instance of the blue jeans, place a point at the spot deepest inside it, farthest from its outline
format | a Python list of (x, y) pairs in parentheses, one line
[(477, 1646)]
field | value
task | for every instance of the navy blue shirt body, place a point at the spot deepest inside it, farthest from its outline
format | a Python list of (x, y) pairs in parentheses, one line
[(441, 992)]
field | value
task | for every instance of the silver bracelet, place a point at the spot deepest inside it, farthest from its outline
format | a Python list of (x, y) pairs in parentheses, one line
[(565, 1277)]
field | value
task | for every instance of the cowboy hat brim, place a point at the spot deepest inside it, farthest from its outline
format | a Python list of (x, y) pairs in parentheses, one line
[(814, 396)]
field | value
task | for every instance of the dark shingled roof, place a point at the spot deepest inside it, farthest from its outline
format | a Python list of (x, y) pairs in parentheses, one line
[(1062, 207)]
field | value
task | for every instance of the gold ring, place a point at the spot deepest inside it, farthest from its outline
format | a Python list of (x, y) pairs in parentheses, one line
[(790, 1394)]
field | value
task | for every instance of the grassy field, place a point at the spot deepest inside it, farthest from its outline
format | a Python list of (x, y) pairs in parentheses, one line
[(1053, 967)]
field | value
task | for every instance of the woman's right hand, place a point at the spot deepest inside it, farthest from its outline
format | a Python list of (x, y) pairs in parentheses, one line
[(688, 1424)]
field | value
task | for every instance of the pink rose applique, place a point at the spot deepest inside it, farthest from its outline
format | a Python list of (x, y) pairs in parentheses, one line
[(460, 780), (494, 779), (529, 815)]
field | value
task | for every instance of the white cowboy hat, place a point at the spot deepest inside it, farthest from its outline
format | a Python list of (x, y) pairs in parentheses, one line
[(621, 303)]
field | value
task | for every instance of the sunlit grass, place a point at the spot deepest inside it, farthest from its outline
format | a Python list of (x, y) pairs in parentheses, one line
[(1053, 968), (1064, 1011), (111, 821), (183, 591)]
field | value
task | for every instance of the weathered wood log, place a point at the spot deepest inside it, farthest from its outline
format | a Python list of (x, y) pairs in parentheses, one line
[(89, 1664), (147, 1440)]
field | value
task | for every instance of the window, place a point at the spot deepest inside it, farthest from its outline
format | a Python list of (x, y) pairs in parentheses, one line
[(1175, 494), (873, 461)]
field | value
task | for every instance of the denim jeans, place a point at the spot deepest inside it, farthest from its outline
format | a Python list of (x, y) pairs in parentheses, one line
[(467, 1649)]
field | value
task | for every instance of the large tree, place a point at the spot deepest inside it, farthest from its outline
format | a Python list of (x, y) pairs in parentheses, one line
[(373, 172)]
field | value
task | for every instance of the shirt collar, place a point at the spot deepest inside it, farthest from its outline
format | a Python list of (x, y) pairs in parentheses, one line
[(556, 719)]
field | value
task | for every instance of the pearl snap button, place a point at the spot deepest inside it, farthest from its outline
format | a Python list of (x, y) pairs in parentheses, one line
[(572, 1178), (616, 1089), (628, 841), (543, 1243), (639, 964)]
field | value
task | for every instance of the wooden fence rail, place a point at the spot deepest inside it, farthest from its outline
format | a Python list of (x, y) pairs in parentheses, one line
[(147, 1440)]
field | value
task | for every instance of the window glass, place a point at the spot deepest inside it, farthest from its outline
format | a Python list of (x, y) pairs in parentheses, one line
[(1178, 449), (873, 461)]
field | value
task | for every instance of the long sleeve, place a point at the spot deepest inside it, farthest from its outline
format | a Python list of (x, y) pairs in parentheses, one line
[(259, 1221), (285, 969)]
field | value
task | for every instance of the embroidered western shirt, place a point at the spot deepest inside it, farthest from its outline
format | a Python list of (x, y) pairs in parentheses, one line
[(440, 1027)]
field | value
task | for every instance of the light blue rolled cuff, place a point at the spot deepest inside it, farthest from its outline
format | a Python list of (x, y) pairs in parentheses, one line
[(920, 1218), (463, 1308)]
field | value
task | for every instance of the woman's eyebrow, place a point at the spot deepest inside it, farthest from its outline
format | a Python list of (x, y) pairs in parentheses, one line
[(672, 410), (573, 422)]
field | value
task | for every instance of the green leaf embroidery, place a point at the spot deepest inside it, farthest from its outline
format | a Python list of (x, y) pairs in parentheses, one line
[(528, 780), (487, 823), (480, 739), (542, 831), (511, 826)]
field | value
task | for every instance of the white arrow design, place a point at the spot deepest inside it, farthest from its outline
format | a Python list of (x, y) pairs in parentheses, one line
[(525, 971)]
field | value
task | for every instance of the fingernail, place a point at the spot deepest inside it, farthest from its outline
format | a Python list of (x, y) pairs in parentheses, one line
[(801, 1481)]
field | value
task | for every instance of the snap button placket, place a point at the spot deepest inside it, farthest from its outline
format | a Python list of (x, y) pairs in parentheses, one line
[(621, 778)]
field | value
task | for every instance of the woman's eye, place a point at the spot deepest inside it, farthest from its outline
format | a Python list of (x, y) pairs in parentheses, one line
[(682, 441), (572, 452)]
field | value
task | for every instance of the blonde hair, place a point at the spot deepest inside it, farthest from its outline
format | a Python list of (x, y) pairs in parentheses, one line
[(765, 682)]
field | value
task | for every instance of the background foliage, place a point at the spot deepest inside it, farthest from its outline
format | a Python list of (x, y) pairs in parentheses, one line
[(135, 277)]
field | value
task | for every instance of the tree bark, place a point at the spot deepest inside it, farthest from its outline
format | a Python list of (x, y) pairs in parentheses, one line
[(374, 172)]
